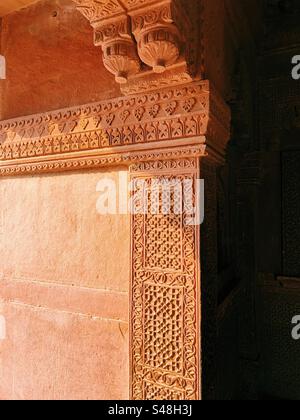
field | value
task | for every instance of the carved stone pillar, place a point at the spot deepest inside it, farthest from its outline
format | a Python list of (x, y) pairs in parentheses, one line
[(165, 290)]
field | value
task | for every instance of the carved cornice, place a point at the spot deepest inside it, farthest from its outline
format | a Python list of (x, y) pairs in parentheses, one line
[(99, 10), (95, 10), (159, 34), (111, 132)]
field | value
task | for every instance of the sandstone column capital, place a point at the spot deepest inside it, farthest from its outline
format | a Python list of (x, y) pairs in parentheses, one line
[(119, 50), (145, 43)]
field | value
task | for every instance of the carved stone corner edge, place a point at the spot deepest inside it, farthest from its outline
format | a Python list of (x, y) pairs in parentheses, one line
[(219, 127), (165, 281), (165, 276)]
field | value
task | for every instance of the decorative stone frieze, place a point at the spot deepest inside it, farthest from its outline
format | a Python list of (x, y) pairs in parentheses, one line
[(192, 114)]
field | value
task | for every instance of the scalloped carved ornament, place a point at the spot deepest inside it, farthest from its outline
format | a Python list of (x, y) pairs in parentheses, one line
[(158, 36), (119, 49)]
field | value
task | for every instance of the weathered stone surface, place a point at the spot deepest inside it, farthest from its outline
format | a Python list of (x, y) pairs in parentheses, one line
[(51, 60), (64, 290), (10, 6), (53, 354)]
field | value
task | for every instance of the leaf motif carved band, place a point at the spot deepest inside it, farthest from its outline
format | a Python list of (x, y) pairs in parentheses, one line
[(116, 131)]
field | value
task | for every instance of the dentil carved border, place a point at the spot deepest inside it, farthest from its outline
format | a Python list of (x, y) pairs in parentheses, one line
[(114, 131)]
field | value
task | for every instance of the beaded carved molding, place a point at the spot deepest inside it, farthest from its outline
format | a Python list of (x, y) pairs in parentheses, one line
[(165, 291), (118, 131)]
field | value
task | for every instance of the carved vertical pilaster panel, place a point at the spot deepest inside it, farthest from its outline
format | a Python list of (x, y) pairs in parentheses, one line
[(209, 281), (290, 207), (165, 289), (249, 179)]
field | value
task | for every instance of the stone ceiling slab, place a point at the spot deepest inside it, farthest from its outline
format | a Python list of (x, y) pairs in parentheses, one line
[(9, 6)]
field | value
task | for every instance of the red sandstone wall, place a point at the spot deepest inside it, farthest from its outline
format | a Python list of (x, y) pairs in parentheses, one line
[(51, 60), (64, 270), (64, 291), (228, 31)]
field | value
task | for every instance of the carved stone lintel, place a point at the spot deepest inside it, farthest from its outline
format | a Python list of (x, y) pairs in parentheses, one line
[(191, 114)]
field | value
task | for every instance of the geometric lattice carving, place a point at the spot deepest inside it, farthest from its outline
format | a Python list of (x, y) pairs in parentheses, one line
[(163, 327), (281, 373), (291, 220), (163, 242), (165, 290), (155, 392), (280, 99)]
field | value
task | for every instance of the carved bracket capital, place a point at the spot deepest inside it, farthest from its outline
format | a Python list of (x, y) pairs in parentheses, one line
[(157, 31), (119, 50), (143, 38)]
